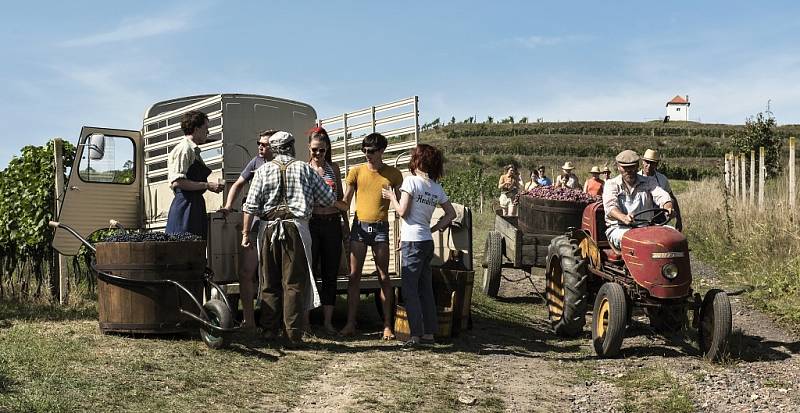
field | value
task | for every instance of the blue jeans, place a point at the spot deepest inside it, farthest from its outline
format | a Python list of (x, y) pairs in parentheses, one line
[(418, 287)]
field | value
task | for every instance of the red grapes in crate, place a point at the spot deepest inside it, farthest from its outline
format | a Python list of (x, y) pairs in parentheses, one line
[(561, 194)]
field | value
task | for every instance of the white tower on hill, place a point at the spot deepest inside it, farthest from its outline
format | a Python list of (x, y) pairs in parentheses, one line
[(678, 108)]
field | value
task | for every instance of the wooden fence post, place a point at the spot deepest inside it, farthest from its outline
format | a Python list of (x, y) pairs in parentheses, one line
[(791, 173), (752, 177), (735, 176), (762, 169), (743, 159), (61, 264), (727, 173)]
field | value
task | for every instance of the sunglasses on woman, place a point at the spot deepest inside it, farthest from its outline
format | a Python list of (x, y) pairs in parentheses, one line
[(319, 150), (369, 150)]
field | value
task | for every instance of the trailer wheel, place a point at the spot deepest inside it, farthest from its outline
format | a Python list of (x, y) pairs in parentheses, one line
[(609, 319), (566, 287), (715, 324), (219, 315), (493, 257)]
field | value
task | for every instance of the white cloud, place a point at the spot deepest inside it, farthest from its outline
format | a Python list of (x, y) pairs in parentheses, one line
[(535, 41), (165, 21)]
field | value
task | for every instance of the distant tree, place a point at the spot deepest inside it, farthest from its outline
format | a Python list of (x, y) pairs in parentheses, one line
[(760, 131), (453, 120), (523, 119), (490, 120)]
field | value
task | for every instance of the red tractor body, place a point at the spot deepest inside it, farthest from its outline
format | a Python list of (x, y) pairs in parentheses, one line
[(650, 252), (651, 272)]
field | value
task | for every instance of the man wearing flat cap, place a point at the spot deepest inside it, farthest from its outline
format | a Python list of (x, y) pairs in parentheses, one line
[(627, 194), (283, 193), (650, 168)]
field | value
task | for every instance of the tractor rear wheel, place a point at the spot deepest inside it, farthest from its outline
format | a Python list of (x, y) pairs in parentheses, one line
[(668, 319), (566, 279), (609, 319), (715, 324), (493, 257)]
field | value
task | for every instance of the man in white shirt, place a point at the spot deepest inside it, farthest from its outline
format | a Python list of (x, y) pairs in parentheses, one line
[(627, 194)]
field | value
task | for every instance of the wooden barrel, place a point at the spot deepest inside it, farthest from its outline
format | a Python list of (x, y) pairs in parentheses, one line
[(547, 217), (402, 330), (150, 308)]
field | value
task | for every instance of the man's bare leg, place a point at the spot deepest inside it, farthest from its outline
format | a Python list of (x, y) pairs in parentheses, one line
[(381, 253), (358, 250), (247, 277)]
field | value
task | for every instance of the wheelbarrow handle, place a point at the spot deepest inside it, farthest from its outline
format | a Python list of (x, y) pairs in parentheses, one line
[(56, 224)]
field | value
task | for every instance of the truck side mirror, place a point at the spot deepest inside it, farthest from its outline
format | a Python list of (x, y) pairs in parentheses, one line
[(96, 145)]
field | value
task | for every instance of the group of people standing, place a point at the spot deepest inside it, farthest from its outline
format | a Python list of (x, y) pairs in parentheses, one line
[(296, 220)]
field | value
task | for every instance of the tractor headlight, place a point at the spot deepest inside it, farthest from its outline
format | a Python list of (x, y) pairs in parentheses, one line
[(670, 271)]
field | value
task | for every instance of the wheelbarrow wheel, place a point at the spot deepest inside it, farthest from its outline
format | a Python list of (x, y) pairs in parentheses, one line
[(219, 315)]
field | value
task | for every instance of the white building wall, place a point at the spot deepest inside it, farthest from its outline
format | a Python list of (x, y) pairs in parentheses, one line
[(678, 111)]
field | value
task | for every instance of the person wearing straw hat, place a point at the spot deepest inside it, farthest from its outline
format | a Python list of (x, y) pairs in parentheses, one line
[(283, 193), (627, 194), (594, 185), (606, 172), (650, 162), (568, 179)]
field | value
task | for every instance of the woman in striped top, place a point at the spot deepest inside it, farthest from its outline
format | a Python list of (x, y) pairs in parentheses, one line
[(328, 225)]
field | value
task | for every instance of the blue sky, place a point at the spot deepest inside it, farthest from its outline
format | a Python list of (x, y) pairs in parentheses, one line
[(68, 64)]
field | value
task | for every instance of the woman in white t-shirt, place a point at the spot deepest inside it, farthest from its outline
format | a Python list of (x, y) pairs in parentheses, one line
[(419, 196)]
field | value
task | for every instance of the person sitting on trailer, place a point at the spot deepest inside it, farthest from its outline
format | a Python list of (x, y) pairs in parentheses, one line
[(568, 179), (188, 176), (283, 193), (534, 182), (249, 260), (543, 180), (650, 162), (627, 194), (594, 185)]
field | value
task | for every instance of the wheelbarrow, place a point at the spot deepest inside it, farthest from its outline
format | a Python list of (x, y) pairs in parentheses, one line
[(157, 288)]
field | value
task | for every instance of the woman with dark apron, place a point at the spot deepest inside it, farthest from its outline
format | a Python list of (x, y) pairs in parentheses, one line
[(188, 175)]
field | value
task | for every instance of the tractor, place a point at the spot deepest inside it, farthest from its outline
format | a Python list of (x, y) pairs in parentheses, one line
[(651, 271)]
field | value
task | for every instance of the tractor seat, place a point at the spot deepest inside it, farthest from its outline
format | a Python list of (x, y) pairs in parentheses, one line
[(612, 255)]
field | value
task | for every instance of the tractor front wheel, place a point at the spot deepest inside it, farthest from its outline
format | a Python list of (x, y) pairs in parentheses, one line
[(715, 324), (609, 319), (565, 292)]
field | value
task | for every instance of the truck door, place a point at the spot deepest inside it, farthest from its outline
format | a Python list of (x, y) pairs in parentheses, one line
[(105, 182)]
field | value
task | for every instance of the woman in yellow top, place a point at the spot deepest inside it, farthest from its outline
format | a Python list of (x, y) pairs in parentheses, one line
[(509, 184), (534, 182)]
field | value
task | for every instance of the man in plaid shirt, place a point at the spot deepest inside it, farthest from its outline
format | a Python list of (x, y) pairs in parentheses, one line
[(283, 193)]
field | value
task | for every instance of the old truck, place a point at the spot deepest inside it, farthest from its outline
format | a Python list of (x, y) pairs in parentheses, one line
[(122, 174)]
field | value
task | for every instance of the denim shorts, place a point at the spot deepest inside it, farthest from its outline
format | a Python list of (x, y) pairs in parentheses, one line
[(369, 233)]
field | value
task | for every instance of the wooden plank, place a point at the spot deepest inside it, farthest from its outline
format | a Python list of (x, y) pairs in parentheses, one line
[(752, 177), (61, 264)]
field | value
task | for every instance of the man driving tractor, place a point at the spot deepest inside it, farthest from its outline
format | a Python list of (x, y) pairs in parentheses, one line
[(628, 197)]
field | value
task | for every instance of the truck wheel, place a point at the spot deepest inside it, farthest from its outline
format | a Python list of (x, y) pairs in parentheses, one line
[(566, 287), (715, 324), (493, 256), (667, 319), (220, 316), (608, 319)]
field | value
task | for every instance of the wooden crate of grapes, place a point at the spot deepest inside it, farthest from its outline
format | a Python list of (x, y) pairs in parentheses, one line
[(522, 241)]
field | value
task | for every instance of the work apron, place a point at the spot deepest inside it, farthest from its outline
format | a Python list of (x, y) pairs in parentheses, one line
[(275, 221), (187, 213)]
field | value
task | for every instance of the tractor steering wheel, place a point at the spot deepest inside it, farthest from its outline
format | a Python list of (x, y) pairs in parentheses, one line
[(655, 220)]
